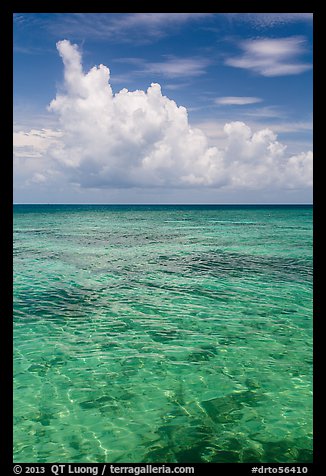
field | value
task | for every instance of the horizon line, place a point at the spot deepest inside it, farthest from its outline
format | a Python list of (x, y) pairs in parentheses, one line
[(172, 204)]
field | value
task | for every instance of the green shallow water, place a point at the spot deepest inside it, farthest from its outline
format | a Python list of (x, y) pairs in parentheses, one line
[(162, 334)]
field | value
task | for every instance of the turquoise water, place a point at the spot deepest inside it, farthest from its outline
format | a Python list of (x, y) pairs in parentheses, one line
[(162, 333)]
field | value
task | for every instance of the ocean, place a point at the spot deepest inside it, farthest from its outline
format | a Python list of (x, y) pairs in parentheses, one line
[(162, 333)]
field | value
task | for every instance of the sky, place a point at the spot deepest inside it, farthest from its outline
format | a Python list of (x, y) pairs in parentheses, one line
[(162, 108)]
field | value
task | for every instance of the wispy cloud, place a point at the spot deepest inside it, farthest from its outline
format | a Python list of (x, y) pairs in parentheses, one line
[(236, 100), (178, 67), (32, 50), (170, 67), (174, 86), (272, 57), (267, 20), (293, 127), (23, 50), (157, 19), (127, 27), (270, 112)]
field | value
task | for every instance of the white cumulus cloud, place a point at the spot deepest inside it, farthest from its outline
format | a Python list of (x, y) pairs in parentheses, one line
[(144, 139), (35, 142)]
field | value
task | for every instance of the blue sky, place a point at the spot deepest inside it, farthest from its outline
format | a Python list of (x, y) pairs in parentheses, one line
[(242, 135)]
